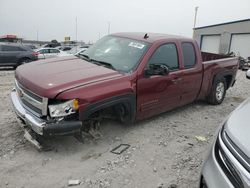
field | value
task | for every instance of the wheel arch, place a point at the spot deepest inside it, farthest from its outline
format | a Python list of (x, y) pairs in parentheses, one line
[(22, 59), (227, 75), (229, 79), (128, 99)]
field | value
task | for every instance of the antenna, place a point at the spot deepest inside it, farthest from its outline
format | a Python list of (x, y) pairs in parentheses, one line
[(146, 36)]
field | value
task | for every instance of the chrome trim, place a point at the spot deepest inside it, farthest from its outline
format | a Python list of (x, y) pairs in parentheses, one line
[(241, 170), (235, 151), (35, 123), (37, 104), (20, 111)]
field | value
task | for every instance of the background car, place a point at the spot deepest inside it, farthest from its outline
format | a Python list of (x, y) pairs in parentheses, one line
[(65, 48), (16, 54), (80, 51), (52, 45), (77, 49), (32, 47), (228, 163), (44, 53)]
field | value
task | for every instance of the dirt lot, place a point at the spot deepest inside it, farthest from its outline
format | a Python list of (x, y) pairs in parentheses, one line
[(163, 149)]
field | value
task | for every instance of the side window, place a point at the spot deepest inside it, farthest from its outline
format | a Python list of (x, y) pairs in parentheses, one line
[(54, 51), (188, 54), (7, 48), (12, 48), (44, 51), (20, 49), (166, 54)]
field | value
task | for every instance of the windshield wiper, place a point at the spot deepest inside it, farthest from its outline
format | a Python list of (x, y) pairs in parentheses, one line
[(85, 57), (108, 65)]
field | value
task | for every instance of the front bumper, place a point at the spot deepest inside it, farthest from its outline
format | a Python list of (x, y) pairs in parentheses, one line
[(212, 173), (41, 126), (222, 169)]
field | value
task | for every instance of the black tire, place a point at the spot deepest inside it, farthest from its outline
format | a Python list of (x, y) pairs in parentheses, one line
[(123, 111), (23, 61), (218, 91)]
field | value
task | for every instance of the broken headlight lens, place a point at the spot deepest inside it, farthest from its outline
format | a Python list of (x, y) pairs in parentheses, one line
[(63, 109)]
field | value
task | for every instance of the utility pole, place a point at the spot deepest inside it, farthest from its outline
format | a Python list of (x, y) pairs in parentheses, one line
[(108, 28), (195, 18), (76, 34), (37, 35)]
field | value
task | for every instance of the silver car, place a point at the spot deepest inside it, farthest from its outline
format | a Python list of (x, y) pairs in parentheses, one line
[(228, 164)]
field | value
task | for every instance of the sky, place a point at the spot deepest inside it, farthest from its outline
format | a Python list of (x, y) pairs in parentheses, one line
[(56, 19)]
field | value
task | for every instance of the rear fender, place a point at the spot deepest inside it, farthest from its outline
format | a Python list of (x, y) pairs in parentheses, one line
[(225, 74)]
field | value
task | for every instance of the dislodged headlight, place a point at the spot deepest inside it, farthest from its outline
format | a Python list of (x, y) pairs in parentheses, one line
[(63, 109)]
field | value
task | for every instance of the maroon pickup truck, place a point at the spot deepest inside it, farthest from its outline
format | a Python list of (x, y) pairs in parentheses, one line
[(129, 76)]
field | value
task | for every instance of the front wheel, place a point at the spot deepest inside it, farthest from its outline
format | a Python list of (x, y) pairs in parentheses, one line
[(123, 112), (218, 91)]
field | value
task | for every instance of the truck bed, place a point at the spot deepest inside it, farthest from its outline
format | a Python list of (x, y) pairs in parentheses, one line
[(220, 65), (211, 56)]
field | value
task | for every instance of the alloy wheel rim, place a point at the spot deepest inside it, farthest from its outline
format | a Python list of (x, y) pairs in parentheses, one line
[(220, 89)]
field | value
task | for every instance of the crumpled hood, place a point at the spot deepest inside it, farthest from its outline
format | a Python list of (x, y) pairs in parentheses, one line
[(50, 77), (238, 127)]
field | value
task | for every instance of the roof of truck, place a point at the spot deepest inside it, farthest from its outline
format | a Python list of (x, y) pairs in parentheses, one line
[(151, 37)]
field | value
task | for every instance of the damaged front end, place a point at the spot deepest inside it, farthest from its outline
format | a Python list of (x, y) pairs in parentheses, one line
[(43, 118)]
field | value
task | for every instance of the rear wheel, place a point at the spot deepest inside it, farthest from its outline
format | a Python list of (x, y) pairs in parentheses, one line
[(218, 91), (23, 61)]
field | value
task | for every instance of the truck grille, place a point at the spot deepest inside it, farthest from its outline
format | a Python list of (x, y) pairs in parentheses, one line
[(236, 151), (31, 101), (227, 166)]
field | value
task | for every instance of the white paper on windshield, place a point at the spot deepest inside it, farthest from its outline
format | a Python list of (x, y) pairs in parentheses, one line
[(136, 45)]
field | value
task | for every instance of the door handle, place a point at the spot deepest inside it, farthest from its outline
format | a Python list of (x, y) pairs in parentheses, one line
[(176, 80)]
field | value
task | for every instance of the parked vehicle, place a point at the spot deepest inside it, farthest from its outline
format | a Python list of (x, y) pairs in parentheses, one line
[(64, 48), (80, 52), (52, 45), (15, 55), (244, 63), (85, 46), (44, 53), (130, 76), (228, 162), (32, 47)]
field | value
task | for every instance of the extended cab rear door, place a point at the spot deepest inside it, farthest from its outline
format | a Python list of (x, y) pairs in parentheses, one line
[(159, 93), (192, 72)]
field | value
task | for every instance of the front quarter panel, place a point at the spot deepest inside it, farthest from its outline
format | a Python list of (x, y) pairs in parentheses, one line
[(101, 91)]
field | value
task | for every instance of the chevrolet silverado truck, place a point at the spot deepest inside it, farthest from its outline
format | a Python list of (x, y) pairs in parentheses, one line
[(127, 76)]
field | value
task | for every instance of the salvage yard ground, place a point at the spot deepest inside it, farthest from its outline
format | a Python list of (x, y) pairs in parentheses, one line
[(166, 150)]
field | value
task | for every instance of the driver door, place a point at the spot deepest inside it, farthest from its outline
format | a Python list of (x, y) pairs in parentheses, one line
[(159, 93)]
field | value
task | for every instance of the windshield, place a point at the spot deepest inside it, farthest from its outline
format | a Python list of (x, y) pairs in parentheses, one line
[(119, 53)]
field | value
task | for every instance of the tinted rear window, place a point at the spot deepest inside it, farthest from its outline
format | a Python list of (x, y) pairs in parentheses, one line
[(188, 54)]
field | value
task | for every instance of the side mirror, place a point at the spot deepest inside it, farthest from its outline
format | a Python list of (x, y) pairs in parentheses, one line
[(248, 74), (157, 69)]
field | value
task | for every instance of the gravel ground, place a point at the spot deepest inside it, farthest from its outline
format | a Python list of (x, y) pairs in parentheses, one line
[(164, 151)]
